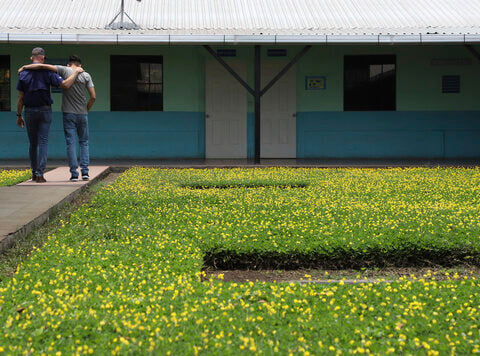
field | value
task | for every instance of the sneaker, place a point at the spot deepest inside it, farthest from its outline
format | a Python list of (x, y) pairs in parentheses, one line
[(73, 179), (85, 177), (40, 179), (34, 177)]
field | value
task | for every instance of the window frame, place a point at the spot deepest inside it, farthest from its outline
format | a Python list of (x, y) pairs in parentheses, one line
[(5, 59), (367, 61), (116, 101)]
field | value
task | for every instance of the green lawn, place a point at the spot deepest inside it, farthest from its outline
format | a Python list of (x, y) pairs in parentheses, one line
[(123, 275), (13, 176)]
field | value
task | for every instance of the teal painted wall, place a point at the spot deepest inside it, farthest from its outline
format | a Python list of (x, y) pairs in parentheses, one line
[(395, 134), (418, 97), (119, 135)]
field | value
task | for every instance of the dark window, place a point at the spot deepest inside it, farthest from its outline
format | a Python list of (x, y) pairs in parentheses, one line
[(369, 83), (451, 84), (4, 83), (136, 83)]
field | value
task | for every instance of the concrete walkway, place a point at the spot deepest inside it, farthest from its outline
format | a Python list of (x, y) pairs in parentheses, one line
[(29, 204)]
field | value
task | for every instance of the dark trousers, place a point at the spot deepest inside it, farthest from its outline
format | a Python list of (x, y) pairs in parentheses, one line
[(38, 120)]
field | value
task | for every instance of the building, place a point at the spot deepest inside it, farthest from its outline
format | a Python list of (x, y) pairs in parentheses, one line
[(367, 78)]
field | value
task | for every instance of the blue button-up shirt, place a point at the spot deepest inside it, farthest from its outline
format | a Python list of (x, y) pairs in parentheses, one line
[(36, 86)]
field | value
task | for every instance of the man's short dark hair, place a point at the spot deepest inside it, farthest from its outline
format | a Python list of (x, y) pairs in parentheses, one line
[(74, 59)]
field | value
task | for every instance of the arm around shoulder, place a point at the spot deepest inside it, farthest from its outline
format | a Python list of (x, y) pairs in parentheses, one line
[(38, 66), (67, 83)]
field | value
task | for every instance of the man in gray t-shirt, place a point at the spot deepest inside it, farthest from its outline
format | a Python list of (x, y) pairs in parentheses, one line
[(75, 108)]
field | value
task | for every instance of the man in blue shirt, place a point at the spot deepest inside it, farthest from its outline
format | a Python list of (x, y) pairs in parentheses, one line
[(34, 93)]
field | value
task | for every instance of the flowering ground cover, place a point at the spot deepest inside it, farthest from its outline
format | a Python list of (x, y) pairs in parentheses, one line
[(13, 176), (124, 273)]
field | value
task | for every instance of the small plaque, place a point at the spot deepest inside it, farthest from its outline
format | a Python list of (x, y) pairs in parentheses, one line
[(316, 83)]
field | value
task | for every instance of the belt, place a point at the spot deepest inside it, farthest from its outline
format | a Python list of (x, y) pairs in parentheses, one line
[(38, 107)]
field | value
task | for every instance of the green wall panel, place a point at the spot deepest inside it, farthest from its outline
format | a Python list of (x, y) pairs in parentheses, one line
[(184, 88), (418, 81)]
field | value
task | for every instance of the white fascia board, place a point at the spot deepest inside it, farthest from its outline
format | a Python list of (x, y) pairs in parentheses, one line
[(34, 37), (195, 39), (69, 38), (399, 39), (97, 38), (73, 38), (318, 39), (472, 38), (443, 38), (352, 38), (145, 39), (251, 39), (109, 38)]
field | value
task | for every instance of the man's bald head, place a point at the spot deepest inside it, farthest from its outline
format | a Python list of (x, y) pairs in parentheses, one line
[(38, 55)]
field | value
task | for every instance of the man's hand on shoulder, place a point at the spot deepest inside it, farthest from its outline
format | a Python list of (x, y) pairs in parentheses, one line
[(79, 70)]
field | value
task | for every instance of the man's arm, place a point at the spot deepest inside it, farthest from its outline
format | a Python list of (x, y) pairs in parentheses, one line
[(93, 97), (38, 66), (20, 121), (67, 83)]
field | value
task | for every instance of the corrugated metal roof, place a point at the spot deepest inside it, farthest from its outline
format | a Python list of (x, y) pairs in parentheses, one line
[(244, 20)]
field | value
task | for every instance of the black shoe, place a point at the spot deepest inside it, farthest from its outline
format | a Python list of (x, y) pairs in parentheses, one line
[(34, 177), (85, 177), (73, 179), (40, 179)]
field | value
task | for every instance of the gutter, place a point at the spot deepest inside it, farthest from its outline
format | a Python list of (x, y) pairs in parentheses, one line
[(113, 38)]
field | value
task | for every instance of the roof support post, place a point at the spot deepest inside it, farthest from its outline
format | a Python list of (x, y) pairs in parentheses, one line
[(286, 68), (473, 51), (257, 95), (229, 69), (257, 92)]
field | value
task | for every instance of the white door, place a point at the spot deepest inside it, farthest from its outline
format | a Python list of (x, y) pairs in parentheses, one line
[(226, 112), (278, 124)]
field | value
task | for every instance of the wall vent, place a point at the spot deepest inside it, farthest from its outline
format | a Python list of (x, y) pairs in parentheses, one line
[(451, 84), (227, 52), (276, 52)]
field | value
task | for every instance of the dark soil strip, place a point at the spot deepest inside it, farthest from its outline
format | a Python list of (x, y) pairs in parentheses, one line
[(349, 276), (231, 260)]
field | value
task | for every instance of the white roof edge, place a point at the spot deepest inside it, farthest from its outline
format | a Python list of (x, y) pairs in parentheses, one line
[(70, 38)]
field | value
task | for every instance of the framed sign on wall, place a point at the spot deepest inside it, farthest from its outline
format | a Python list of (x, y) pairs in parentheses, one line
[(315, 83)]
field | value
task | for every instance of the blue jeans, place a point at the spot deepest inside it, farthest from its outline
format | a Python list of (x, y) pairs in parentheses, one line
[(76, 125), (38, 120)]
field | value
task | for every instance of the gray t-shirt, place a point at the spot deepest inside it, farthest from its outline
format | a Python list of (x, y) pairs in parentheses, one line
[(73, 99)]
